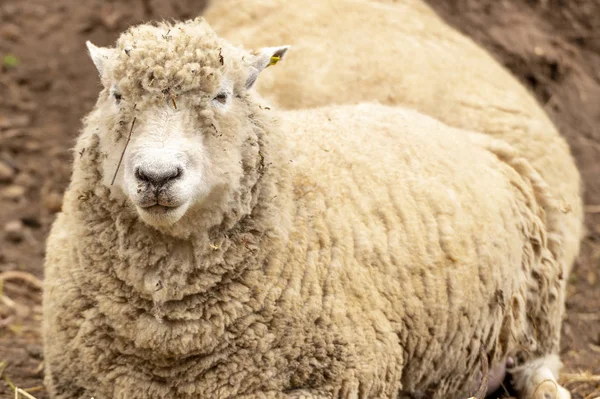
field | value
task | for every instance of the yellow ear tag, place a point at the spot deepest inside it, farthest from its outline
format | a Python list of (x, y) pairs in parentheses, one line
[(274, 60)]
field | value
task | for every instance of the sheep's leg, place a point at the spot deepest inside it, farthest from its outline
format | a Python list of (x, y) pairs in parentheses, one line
[(537, 379)]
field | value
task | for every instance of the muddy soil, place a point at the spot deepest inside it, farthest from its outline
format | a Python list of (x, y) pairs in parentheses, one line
[(47, 84)]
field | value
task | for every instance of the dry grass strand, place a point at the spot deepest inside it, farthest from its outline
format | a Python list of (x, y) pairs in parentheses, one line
[(18, 275), (123, 153)]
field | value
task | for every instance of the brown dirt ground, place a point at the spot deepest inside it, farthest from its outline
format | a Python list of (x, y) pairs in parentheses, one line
[(553, 46)]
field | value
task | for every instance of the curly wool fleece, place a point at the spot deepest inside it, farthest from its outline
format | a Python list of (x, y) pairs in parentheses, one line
[(421, 63), (379, 250), (161, 57)]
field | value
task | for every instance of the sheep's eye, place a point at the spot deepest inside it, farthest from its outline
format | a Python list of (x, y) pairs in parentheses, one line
[(221, 98), (118, 97)]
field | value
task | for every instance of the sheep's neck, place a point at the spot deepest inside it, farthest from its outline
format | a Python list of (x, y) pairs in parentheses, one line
[(122, 258)]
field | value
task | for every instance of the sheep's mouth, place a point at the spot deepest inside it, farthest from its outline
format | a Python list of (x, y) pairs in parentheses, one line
[(159, 209), (161, 215)]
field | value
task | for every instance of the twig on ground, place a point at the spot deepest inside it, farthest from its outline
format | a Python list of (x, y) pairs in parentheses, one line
[(581, 377), (17, 275), (19, 391), (3, 365), (593, 395), (8, 302), (39, 368), (37, 388)]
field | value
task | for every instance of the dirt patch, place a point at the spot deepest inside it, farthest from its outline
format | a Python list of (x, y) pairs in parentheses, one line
[(47, 84)]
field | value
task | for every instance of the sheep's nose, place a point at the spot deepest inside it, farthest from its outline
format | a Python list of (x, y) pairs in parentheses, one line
[(158, 178)]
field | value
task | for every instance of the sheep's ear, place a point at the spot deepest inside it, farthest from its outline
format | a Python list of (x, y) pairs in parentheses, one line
[(265, 57), (99, 56)]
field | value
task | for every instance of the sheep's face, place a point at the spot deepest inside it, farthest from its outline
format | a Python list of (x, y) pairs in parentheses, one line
[(177, 127)]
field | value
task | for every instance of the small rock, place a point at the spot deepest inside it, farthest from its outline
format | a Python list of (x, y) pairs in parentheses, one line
[(15, 121), (10, 32), (25, 180), (13, 192), (34, 351), (591, 277), (53, 202), (539, 51), (7, 172), (10, 9), (88, 25), (14, 231), (26, 104), (110, 17), (32, 146), (11, 134), (32, 221)]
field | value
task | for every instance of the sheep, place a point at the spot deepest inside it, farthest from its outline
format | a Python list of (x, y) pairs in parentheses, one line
[(212, 247), (402, 53)]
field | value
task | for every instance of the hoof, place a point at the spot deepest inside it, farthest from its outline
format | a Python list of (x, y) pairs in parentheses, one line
[(549, 389), (537, 379)]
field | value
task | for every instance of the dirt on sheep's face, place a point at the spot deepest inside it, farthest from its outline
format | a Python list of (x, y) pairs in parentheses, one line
[(177, 123)]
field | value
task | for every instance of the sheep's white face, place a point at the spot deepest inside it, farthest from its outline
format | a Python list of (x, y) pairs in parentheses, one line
[(185, 149), (166, 167)]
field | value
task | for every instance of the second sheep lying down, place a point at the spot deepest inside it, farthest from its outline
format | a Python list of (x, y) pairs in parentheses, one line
[(353, 251), (399, 52)]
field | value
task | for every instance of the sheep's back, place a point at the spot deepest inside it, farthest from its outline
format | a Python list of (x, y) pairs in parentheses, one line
[(402, 53), (433, 233)]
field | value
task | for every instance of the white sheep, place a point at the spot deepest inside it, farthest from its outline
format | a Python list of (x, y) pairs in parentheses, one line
[(352, 251), (402, 53)]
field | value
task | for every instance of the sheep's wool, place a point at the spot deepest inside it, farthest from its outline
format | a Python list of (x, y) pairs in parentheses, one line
[(365, 251), (408, 57), (163, 58)]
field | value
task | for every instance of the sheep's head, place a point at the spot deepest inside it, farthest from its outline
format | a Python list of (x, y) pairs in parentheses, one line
[(182, 92)]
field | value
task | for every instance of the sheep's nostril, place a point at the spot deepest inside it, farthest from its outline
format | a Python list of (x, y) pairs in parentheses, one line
[(158, 178), (140, 175), (176, 174)]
